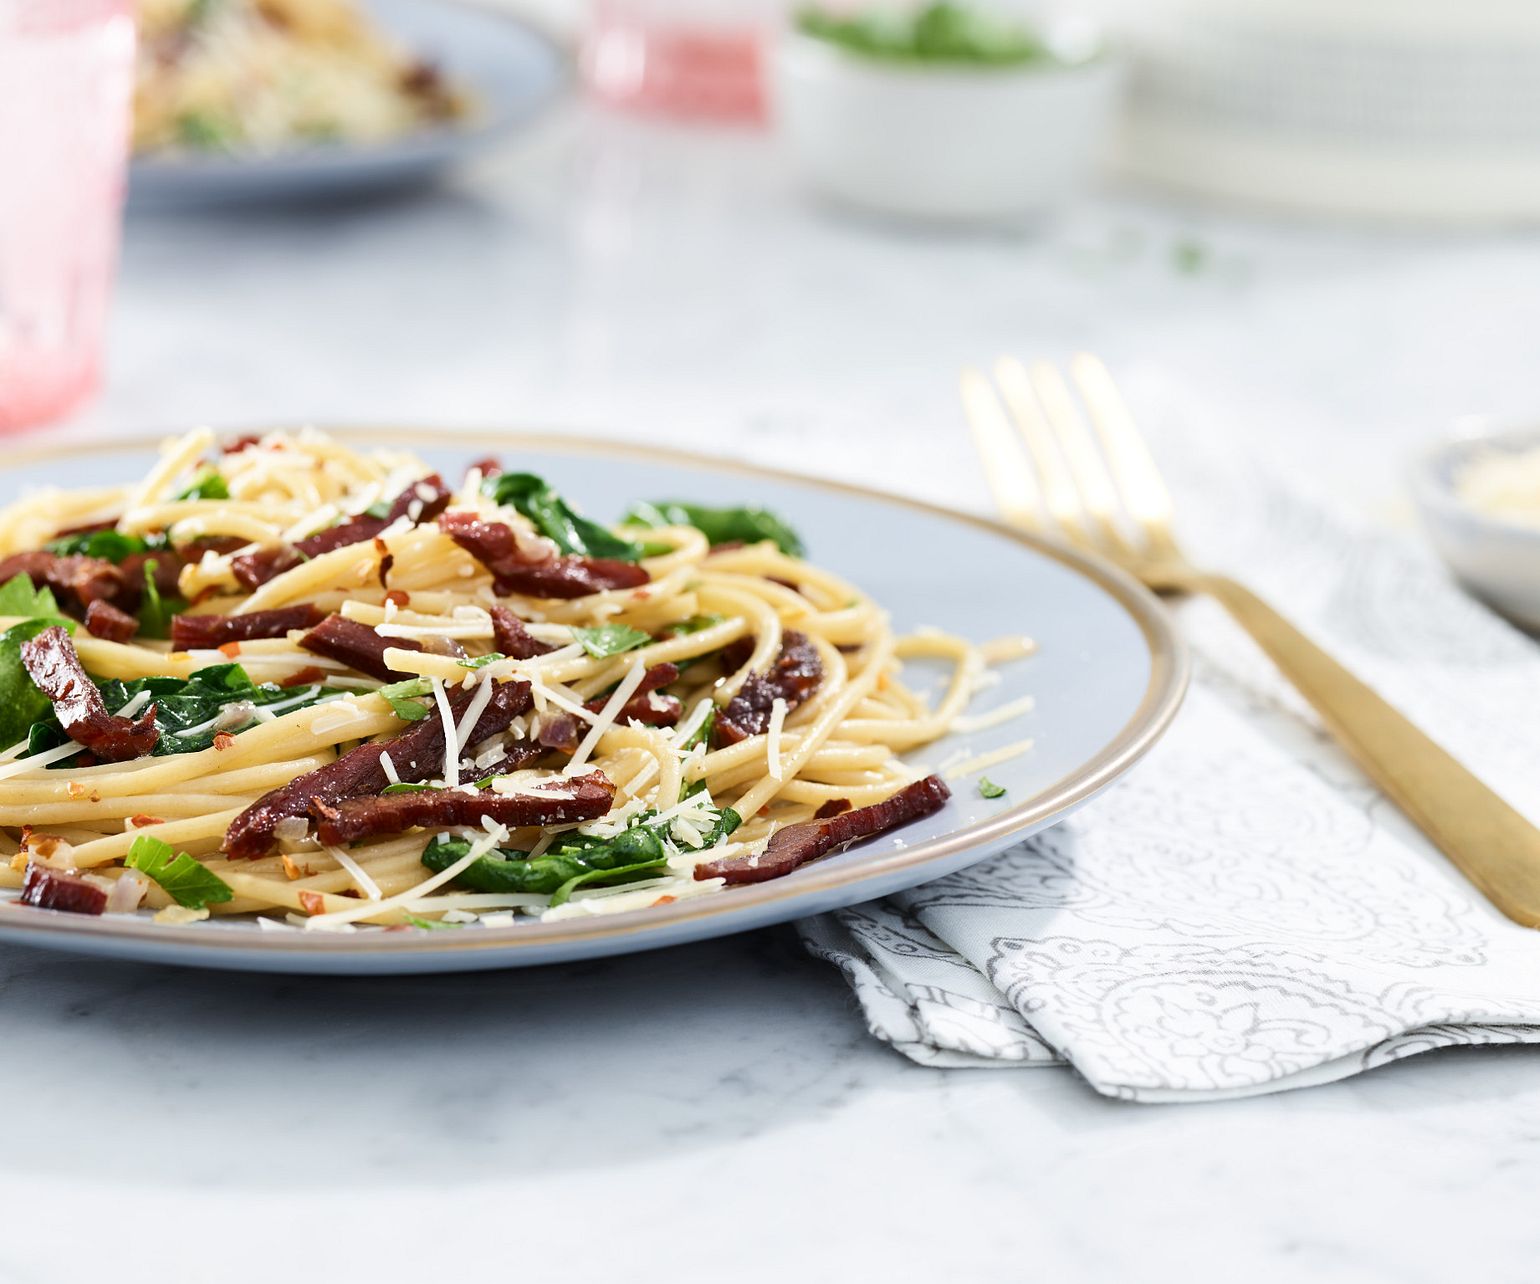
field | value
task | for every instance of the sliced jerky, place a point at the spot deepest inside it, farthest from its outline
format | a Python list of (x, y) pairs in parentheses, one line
[(356, 645), (308, 676), (516, 756), (517, 570), (208, 632), (511, 637), (104, 620), (795, 845), (561, 802), (49, 889), (75, 580), (793, 677), (832, 808), (416, 754), (645, 707), (422, 501), (558, 731), (54, 667)]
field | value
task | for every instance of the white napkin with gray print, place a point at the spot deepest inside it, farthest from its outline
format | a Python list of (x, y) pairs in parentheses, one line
[(1244, 912)]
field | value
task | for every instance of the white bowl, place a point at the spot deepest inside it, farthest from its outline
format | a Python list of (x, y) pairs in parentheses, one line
[(1497, 559), (941, 143)]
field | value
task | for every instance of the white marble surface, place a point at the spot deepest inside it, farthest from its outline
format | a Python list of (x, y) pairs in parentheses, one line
[(717, 1112)]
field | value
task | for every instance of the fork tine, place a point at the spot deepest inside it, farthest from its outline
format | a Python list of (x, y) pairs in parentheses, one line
[(1086, 466), (1134, 471), (1061, 497), (1011, 481)]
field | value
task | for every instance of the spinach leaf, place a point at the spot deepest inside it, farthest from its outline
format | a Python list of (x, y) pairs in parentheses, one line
[(109, 545), (184, 879), (430, 924), (210, 486), (19, 597), (610, 639), (21, 703), (404, 698), (638, 847), (719, 525), (556, 519), (481, 661), (623, 874), (187, 711), (155, 611), (695, 624), (988, 788)]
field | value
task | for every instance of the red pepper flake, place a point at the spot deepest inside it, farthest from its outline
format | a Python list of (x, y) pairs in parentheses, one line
[(387, 560), (230, 649), (141, 821), (222, 741), (664, 900), (313, 902), (400, 597)]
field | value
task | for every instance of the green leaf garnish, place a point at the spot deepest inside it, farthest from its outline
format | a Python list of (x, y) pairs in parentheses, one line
[(429, 924), (610, 639), (702, 734), (943, 32), (481, 661), (405, 698), (109, 545), (184, 879), (622, 874), (719, 525), (210, 486), (408, 787), (155, 611), (695, 624), (19, 597), (21, 703), (989, 789), (556, 519)]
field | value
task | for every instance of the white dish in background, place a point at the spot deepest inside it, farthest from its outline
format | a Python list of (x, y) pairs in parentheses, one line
[(1498, 559), (510, 70), (942, 142)]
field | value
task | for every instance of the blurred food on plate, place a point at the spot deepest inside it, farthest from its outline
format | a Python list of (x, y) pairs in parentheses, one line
[(269, 75)]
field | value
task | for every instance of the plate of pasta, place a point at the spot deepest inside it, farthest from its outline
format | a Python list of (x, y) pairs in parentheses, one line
[(395, 701), (272, 100)]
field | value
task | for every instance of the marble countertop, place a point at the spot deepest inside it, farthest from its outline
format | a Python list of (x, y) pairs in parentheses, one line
[(718, 1111)]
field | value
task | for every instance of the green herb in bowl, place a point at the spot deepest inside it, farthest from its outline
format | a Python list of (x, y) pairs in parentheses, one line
[(938, 33)]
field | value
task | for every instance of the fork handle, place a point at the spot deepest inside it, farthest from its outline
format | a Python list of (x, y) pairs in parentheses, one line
[(1490, 842)]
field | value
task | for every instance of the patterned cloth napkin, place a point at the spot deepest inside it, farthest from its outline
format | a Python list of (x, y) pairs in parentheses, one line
[(1244, 912)]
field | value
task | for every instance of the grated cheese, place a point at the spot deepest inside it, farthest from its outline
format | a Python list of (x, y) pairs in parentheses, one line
[(985, 760), (451, 741), (984, 721), (356, 872), (773, 737), (607, 716)]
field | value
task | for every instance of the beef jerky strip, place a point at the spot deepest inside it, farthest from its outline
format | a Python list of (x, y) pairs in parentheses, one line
[(422, 501), (209, 632), (793, 677), (416, 754), (357, 646), (568, 800), (522, 569), (54, 666), (795, 845)]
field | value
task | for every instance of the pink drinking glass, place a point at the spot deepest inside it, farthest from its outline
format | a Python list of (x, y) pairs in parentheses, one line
[(66, 85), (683, 58)]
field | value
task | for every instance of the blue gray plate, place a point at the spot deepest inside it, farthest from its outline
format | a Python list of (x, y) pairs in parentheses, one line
[(1108, 677), (511, 70)]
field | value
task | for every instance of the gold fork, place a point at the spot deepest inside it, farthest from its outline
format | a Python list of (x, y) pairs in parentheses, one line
[(1096, 485)]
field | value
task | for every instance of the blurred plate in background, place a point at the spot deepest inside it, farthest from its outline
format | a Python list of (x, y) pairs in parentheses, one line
[(512, 71)]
